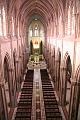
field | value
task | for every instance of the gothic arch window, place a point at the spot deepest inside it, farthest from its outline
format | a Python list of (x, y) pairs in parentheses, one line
[(36, 30), (31, 32), (69, 21), (60, 25), (2, 21), (73, 21), (12, 26), (18, 29)]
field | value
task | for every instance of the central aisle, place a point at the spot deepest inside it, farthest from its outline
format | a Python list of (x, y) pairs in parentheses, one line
[(38, 111)]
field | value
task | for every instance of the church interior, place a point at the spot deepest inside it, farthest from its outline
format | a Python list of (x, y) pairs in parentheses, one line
[(39, 59)]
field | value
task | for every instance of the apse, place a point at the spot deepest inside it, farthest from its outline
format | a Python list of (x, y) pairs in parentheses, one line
[(36, 36)]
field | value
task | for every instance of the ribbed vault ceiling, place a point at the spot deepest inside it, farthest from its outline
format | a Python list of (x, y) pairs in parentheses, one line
[(45, 10)]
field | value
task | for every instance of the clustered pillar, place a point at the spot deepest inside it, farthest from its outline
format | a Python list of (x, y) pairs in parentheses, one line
[(74, 100)]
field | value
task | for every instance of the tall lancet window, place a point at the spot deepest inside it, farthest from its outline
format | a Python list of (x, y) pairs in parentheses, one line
[(73, 21), (60, 26), (31, 32), (69, 18), (18, 28), (4, 21), (36, 31), (0, 21), (12, 26)]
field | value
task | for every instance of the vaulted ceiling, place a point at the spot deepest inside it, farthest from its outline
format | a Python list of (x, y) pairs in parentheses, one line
[(44, 10)]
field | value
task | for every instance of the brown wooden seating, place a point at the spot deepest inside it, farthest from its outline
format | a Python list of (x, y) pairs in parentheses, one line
[(24, 106), (51, 105)]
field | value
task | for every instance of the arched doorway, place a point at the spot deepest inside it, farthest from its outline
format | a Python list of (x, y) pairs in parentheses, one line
[(66, 81), (3, 104), (57, 69), (74, 108), (7, 81)]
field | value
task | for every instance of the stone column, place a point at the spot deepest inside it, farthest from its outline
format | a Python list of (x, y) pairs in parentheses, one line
[(57, 74), (74, 100), (3, 103), (21, 59), (12, 87), (46, 54), (48, 58), (23, 62), (17, 74), (53, 67), (43, 50), (63, 85), (51, 64)]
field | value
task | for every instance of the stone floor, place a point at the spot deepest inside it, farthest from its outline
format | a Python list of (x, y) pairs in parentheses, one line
[(38, 112)]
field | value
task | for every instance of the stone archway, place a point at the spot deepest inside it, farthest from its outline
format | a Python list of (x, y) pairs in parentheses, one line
[(8, 83), (15, 61), (53, 64), (6, 79), (57, 69), (74, 108), (3, 103), (20, 63), (66, 72)]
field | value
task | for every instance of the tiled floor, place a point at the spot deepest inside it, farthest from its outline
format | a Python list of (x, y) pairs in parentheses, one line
[(38, 112)]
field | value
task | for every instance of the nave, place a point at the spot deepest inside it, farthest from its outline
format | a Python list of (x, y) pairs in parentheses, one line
[(37, 99)]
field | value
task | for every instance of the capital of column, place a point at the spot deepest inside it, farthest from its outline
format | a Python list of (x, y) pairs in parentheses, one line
[(73, 83), (62, 68), (53, 56), (56, 60), (11, 69), (20, 56), (47, 50), (2, 83), (17, 61)]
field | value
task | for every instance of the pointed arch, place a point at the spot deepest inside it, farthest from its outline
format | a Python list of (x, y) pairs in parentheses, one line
[(7, 80), (66, 78), (7, 60), (57, 68), (77, 74)]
